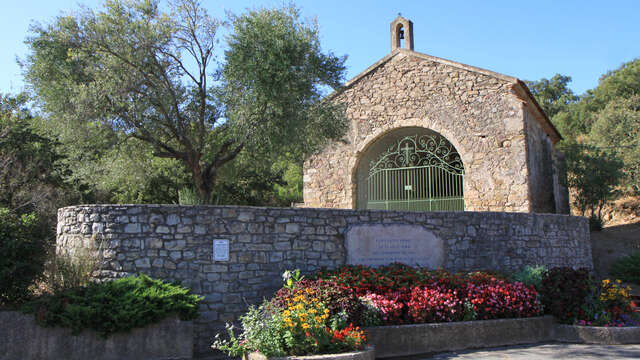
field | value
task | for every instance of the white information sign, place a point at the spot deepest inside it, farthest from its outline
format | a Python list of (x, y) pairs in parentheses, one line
[(220, 250)]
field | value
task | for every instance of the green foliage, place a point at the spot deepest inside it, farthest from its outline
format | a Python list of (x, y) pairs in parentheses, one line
[(628, 268), (530, 275), (553, 94), (594, 175), (30, 166), (291, 278), (22, 255), (259, 180), (262, 331), (621, 83), (114, 306), (130, 85), (606, 122), (617, 126), (188, 196), (274, 74)]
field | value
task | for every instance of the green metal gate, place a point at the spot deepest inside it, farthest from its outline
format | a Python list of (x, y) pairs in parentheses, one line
[(417, 173)]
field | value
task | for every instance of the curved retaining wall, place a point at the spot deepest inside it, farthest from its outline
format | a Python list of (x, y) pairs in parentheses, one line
[(175, 243)]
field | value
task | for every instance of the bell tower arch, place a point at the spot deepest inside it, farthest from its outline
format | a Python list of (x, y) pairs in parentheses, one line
[(401, 29)]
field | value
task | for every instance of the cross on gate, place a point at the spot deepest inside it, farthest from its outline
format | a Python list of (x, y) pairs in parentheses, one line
[(406, 149)]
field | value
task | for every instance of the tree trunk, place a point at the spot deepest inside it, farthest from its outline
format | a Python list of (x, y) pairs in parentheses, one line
[(204, 183)]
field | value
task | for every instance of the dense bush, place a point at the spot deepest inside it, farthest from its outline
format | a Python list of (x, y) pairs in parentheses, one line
[(114, 306), (628, 268), (22, 255), (530, 275), (564, 291)]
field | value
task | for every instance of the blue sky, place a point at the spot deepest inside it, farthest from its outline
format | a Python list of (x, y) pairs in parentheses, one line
[(529, 40)]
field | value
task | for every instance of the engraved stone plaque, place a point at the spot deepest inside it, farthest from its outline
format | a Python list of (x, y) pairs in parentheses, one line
[(220, 250), (376, 245)]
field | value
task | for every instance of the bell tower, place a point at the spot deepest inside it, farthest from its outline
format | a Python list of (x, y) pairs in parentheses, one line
[(401, 29)]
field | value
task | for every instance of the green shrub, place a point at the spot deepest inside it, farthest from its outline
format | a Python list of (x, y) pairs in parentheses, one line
[(564, 292), (530, 275), (72, 271), (628, 268), (114, 306), (22, 255)]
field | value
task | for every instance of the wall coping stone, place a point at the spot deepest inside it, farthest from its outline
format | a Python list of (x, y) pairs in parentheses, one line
[(367, 354)]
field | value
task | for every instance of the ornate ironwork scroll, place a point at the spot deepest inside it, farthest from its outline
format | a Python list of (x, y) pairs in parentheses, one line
[(419, 151)]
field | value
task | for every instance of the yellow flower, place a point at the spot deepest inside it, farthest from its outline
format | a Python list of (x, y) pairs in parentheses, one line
[(305, 326)]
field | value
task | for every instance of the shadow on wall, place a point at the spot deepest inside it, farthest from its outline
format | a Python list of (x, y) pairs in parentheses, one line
[(613, 243)]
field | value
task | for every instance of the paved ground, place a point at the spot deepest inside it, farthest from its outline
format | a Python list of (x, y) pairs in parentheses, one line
[(545, 352), (532, 352)]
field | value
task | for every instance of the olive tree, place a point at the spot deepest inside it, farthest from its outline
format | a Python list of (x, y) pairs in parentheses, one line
[(137, 72)]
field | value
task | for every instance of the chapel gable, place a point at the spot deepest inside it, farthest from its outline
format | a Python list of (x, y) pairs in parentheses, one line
[(411, 114)]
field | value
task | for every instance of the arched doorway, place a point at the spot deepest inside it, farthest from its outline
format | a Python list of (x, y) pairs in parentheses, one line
[(411, 169)]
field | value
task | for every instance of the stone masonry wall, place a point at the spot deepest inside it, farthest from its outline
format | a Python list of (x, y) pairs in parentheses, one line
[(540, 164), (175, 243), (478, 112)]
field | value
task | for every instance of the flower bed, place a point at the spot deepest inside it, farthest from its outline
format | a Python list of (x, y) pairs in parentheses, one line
[(414, 310), (323, 314), (574, 298), (304, 318), (400, 294)]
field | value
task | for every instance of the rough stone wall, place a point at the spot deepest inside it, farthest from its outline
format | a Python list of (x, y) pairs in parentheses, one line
[(478, 113), (560, 190), (540, 164), (175, 243)]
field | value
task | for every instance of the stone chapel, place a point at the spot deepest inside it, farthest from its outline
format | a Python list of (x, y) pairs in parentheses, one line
[(430, 134)]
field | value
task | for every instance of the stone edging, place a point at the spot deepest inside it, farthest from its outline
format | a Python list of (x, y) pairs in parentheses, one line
[(368, 354), (596, 334), (406, 340)]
